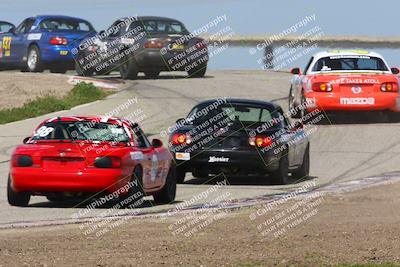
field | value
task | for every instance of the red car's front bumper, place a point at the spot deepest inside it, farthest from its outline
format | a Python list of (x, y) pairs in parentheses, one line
[(90, 180), (337, 101)]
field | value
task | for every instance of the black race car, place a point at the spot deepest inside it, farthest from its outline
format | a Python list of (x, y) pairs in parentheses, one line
[(238, 136), (143, 44)]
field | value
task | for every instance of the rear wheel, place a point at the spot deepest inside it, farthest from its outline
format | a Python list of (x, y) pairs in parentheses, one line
[(81, 71), (168, 193), (152, 74), (19, 199), (129, 69), (295, 113), (280, 176), (34, 60), (197, 72), (135, 191), (304, 170), (180, 176)]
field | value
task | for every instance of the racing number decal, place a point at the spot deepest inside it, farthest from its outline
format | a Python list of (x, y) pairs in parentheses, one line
[(7, 45), (44, 131)]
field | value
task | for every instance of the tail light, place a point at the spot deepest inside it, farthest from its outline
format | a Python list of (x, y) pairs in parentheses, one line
[(389, 87), (21, 161), (58, 41), (181, 138), (153, 44), (322, 87), (107, 162), (200, 45), (260, 141)]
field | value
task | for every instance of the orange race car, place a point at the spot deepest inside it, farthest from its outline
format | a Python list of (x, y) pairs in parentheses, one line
[(345, 80)]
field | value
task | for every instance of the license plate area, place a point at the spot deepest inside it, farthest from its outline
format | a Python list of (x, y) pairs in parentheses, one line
[(67, 163)]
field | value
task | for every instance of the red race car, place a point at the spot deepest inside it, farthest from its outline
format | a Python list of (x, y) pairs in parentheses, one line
[(78, 157), (344, 80)]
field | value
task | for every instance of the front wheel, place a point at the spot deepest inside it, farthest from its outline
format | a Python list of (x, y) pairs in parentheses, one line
[(19, 199), (168, 192), (34, 60)]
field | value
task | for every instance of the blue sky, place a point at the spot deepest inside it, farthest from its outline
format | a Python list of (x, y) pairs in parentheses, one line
[(339, 17)]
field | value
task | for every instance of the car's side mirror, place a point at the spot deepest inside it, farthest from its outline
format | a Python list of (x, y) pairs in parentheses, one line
[(12, 30), (295, 71), (26, 139), (156, 143), (395, 70)]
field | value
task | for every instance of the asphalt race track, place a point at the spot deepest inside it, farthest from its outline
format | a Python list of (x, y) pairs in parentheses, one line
[(339, 151)]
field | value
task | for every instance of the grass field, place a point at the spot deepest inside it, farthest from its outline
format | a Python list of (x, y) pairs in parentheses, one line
[(81, 93)]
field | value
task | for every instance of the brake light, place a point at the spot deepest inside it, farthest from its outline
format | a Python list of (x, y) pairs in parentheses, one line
[(260, 141), (153, 44), (179, 139), (21, 161), (389, 87), (58, 41), (107, 162), (322, 87), (200, 45)]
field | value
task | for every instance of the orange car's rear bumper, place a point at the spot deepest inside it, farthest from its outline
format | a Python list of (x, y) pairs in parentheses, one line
[(337, 101)]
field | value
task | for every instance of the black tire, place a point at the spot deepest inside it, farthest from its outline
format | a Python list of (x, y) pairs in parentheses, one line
[(135, 192), (128, 69), (292, 107), (197, 72), (82, 72), (34, 60), (304, 170), (281, 175), (19, 199), (168, 193), (180, 176), (152, 74)]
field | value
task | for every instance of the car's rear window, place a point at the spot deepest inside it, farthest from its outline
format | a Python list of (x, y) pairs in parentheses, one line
[(238, 113), (83, 130), (65, 25), (159, 26), (337, 63)]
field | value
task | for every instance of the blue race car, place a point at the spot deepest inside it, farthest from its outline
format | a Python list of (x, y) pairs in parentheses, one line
[(43, 42)]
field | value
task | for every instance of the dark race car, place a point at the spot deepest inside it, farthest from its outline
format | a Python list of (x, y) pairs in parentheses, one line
[(80, 157), (237, 136), (143, 44), (43, 42)]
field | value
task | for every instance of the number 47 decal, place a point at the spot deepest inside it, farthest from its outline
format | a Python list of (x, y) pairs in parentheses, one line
[(7, 45)]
